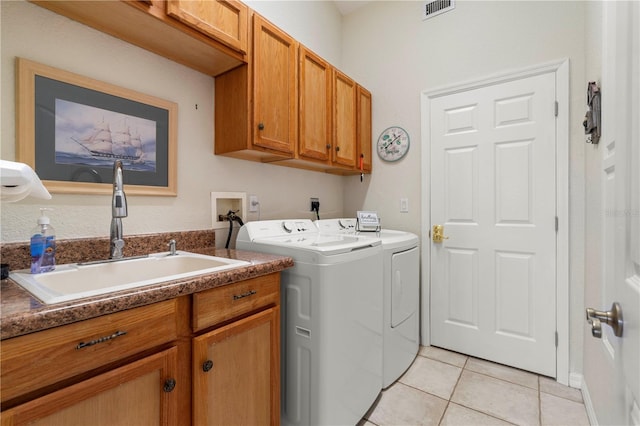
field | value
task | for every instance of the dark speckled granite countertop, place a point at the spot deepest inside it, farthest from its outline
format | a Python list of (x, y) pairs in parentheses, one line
[(21, 313)]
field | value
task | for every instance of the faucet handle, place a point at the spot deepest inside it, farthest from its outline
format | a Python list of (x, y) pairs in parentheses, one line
[(119, 199), (172, 247)]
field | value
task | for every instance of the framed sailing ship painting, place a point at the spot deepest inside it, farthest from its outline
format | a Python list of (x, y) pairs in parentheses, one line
[(71, 129)]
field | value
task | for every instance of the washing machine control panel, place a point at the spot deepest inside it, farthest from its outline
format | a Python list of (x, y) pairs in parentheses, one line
[(295, 226)]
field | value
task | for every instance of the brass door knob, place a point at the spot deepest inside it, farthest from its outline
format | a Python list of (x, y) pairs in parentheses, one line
[(437, 234)]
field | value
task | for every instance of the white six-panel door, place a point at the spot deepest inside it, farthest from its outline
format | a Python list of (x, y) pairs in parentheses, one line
[(493, 188), (612, 371)]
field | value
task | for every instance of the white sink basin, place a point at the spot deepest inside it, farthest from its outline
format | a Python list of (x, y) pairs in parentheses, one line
[(75, 281)]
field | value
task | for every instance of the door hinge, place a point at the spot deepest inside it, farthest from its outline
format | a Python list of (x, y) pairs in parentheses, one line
[(557, 224), (556, 339), (556, 106)]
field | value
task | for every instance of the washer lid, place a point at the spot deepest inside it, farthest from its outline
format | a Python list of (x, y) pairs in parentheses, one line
[(325, 244), (301, 234), (395, 239), (391, 239)]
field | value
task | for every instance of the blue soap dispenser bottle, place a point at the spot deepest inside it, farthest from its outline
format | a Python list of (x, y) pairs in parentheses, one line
[(43, 245)]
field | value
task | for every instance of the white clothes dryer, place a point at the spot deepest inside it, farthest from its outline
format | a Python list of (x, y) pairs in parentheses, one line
[(401, 286), (331, 320)]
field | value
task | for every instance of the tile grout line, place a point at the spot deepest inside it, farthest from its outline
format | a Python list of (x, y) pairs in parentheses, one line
[(464, 368), (506, 381), (453, 391), (539, 404)]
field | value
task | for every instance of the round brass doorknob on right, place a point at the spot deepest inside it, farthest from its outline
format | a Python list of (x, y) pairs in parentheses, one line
[(437, 234)]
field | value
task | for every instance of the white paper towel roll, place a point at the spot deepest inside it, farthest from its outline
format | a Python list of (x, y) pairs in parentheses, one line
[(18, 181)]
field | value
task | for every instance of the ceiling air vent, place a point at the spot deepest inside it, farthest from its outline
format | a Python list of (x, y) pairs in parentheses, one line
[(433, 8)]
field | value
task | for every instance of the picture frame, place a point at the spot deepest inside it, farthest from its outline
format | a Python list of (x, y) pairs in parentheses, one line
[(70, 129)]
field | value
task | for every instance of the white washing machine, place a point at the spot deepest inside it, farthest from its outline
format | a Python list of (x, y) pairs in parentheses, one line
[(401, 270), (331, 320)]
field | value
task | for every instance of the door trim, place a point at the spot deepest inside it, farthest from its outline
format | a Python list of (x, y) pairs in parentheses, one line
[(561, 70)]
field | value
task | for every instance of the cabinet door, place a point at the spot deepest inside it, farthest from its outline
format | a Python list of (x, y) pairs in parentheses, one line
[(275, 94), (223, 20), (344, 139), (74, 349), (236, 377), (315, 107), (363, 136), (139, 393)]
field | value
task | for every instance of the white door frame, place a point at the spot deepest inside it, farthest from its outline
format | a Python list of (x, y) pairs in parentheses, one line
[(561, 70)]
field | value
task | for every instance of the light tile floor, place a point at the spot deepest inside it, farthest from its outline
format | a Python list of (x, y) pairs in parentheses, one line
[(448, 388)]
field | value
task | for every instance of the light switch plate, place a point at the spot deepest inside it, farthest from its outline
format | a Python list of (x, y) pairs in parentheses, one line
[(404, 205)]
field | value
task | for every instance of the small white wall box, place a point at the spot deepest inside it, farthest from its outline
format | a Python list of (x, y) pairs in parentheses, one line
[(222, 202)]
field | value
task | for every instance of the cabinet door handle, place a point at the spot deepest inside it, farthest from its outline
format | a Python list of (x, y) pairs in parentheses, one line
[(243, 295), (207, 366), (260, 126), (100, 340), (337, 148), (169, 385)]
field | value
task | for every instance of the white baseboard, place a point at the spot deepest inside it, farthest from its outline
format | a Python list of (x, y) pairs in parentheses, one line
[(588, 405), (575, 380)]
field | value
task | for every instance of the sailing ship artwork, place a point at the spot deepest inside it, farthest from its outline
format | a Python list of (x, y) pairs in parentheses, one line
[(96, 137)]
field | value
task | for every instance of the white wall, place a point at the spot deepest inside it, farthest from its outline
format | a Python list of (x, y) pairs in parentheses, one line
[(37, 34), (396, 55), (316, 24)]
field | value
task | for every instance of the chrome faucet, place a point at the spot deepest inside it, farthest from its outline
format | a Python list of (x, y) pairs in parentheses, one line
[(118, 211), (172, 248)]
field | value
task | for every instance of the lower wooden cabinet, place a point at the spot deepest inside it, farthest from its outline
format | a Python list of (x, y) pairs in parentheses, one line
[(236, 372), (144, 392), (213, 363), (61, 353)]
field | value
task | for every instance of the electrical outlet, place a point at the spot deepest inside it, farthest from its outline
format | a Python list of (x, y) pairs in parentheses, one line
[(253, 203), (315, 204)]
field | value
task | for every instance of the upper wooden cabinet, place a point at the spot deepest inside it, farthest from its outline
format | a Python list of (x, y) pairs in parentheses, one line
[(363, 135), (290, 107), (224, 20), (316, 106), (256, 104), (147, 25), (275, 89), (344, 120)]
